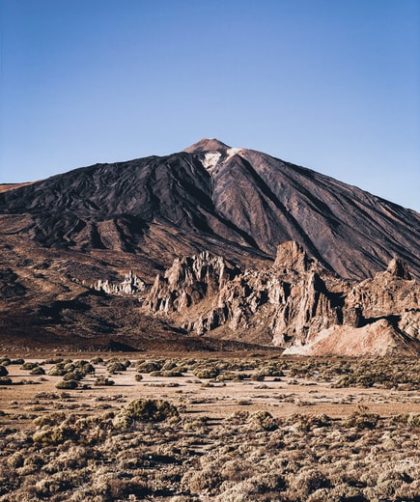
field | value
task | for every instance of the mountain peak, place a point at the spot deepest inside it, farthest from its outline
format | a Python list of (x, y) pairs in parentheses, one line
[(207, 145)]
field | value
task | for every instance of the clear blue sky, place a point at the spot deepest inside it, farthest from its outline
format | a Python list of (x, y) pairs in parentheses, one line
[(330, 84)]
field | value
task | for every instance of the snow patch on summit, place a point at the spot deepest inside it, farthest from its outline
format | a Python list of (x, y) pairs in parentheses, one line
[(233, 151), (211, 159)]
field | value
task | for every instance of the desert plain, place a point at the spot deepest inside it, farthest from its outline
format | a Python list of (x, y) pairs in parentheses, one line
[(209, 426)]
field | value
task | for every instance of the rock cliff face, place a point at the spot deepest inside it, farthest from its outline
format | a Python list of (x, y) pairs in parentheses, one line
[(188, 281), (295, 304)]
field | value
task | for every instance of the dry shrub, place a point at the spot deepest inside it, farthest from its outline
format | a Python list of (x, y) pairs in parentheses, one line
[(116, 367), (308, 482), (145, 410), (103, 381), (206, 373), (149, 366), (67, 384), (262, 420), (29, 366), (37, 371)]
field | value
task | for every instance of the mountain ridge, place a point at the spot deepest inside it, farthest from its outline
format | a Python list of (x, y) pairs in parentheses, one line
[(215, 196)]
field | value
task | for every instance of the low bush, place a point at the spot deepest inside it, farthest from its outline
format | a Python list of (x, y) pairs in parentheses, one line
[(37, 371), (116, 367), (67, 384), (145, 410), (103, 381), (149, 367), (206, 373), (28, 366)]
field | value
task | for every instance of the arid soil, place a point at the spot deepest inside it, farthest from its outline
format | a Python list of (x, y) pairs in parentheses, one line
[(201, 427)]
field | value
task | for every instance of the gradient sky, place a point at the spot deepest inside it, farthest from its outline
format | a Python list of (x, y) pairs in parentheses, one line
[(332, 85)]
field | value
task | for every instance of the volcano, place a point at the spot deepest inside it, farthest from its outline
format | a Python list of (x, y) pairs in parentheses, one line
[(61, 234)]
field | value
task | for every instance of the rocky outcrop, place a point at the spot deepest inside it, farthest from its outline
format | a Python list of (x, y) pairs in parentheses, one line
[(386, 294), (188, 281), (291, 257), (130, 285), (377, 339), (295, 304)]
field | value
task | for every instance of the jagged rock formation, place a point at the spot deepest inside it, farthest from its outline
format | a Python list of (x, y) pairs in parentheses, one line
[(296, 304), (188, 281), (130, 285)]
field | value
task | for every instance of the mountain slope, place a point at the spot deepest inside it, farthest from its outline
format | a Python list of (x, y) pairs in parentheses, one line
[(233, 202)]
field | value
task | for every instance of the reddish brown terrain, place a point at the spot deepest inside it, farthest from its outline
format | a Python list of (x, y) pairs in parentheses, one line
[(154, 315), (266, 253), (223, 427)]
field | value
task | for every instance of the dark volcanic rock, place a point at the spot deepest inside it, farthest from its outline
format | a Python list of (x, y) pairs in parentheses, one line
[(233, 202), (9, 285)]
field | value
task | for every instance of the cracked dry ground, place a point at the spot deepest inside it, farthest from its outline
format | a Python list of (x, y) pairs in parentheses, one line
[(236, 429)]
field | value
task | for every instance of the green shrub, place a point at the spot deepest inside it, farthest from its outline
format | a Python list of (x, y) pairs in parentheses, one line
[(38, 371), (67, 384)]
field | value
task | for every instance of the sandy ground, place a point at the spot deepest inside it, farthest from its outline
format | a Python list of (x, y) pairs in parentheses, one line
[(196, 396)]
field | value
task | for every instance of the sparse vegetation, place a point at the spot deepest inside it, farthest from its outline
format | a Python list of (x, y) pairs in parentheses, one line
[(101, 445)]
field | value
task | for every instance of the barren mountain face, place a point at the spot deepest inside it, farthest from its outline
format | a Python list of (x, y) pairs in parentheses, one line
[(234, 202), (62, 235)]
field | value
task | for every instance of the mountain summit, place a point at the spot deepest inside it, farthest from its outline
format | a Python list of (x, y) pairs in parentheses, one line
[(207, 145), (233, 202)]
